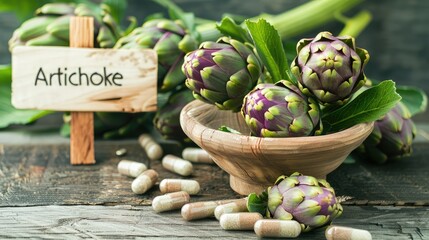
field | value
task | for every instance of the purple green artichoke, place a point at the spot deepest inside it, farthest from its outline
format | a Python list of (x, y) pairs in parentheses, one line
[(392, 136), (329, 68), (50, 26), (305, 199), (222, 72), (171, 42), (167, 118), (280, 110)]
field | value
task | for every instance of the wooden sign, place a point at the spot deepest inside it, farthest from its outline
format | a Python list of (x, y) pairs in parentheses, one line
[(84, 79), (81, 79)]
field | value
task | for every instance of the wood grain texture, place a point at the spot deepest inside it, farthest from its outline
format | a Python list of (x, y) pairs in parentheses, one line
[(41, 175), (82, 123), (82, 138), (138, 85), (131, 222), (255, 163)]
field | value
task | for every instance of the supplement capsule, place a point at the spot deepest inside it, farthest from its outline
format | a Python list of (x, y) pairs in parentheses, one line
[(176, 185), (233, 207), (152, 148), (197, 155), (277, 228), (199, 210), (239, 221), (121, 152), (170, 201), (131, 168), (346, 233), (177, 165), (144, 181)]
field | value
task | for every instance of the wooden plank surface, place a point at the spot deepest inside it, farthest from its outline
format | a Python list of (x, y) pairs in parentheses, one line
[(131, 222), (41, 175), (66, 79)]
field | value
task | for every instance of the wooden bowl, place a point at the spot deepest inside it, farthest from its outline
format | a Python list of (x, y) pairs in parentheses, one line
[(255, 163)]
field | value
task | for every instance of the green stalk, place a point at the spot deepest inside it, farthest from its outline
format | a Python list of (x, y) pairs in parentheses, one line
[(355, 25), (297, 20), (310, 15)]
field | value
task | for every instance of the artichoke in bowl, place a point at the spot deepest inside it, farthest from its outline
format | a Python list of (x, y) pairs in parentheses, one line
[(329, 68), (281, 110), (222, 72)]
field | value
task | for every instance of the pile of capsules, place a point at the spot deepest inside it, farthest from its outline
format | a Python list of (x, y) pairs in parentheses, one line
[(231, 213)]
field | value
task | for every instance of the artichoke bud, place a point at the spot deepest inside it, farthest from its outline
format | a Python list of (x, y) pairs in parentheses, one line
[(50, 27), (329, 68), (392, 136), (281, 110), (305, 199), (222, 72), (167, 118), (170, 41)]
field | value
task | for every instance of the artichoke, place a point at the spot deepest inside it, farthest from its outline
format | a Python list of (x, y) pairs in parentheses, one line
[(222, 72), (329, 68), (167, 118), (280, 110), (50, 27), (170, 40), (305, 199), (392, 136)]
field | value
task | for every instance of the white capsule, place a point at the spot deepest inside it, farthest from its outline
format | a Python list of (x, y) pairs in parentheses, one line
[(170, 201), (175, 185), (239, 221), (346, 233), (121, 152), (177, 165), (131, 168), (144, 181), (233, 207), (152, 148), (199, 210), (277, 228), (197, 155)]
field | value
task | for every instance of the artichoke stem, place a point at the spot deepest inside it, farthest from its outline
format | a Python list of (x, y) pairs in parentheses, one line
[(355, 25)]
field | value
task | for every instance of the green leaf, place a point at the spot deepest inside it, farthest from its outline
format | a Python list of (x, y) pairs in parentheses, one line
[(224, 128), (269, 46), (369, 106), (415, 99), (228, 27), (8, 114), (117, 8), (258, 203)]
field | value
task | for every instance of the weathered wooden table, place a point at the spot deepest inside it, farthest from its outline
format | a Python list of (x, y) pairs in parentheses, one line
[(43, 196)]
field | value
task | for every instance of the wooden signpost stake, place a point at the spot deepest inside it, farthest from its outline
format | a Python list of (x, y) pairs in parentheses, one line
[(82, 123), (82, 79)]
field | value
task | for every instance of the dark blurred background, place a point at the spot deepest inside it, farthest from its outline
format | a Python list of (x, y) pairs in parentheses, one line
[(397, 38)]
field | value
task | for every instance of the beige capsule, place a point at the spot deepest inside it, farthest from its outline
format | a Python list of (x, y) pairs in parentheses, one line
[(144, 181), (152, 148), (175, 185), (233, 207), (177, 165), (277, 228), (131, 168), (197, 155), (170, 201), (199, 210), (346, 233), (239, 221)]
